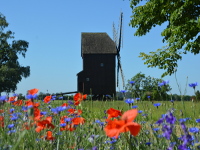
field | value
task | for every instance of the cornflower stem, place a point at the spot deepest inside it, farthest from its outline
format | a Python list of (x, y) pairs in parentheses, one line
[(193, 103)]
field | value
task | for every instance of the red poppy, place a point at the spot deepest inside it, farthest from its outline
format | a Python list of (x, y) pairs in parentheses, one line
[(44, 124), (78, 112), (113, 113), (18, 103), (64, 104), (68, 127), (1, 121), (36, 114), (71, 110), (1, 111), (79, 97), (49, 136), (115, 127), (33, 91), (31, 103), (47, 99), (76, 103), (78, 120), (36, 104), (62, 119), (12, 99)]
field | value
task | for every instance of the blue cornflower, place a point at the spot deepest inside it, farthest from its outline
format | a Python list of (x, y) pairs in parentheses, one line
[(31, 96), (63, 124), (53, 97), (113, 140), (156, 129), (144, 115), (14, 118), (167, 131), (171, 146), (187, 139), (60, 97), (148, 97), (123, 91), (160, 121), (184, 128), (194, 130), (132, 82), (24, 108), (3, 98), (58, 109), (99, 122), (70, 103), (15, 94), (12, 110), (140, 111), (54, 110), (135, 106), (11, 126), (157, 104), (148, 143), (170, 118), (193, 85), (163, 83), (163, 115), (137, 99), (61, 108), (11, 131), (182, 120), (197, 120), (43, 113), (129, 101), (68, 119)]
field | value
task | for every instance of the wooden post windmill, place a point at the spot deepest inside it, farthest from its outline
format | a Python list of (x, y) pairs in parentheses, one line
[(99, 52)]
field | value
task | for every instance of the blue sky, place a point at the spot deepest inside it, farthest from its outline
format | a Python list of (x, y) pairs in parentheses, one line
[(53, 30)]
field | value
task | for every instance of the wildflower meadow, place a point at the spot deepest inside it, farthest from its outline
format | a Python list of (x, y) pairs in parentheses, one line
[(84, 124)]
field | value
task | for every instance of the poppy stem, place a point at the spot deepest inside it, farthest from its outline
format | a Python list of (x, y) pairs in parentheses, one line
[(128, 139)]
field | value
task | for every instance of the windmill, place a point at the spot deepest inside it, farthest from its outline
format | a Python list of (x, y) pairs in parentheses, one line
[(118, 42)]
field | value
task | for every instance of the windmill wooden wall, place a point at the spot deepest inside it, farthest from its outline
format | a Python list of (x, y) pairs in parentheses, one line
[(98, 52)]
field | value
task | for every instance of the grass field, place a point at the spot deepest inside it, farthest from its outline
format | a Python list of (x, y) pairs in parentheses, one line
[(18, 129)]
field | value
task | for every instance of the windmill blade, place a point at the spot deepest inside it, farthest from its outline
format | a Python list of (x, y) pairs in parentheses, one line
[(118, 64), (121, 71), (120, 34), (119, 67), (115, 34)]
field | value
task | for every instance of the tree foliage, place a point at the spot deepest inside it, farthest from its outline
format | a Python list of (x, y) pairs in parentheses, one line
[(181, 34), (147, 86), (11, 72)]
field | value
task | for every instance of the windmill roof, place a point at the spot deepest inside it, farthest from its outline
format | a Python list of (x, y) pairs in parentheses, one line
[(97, 43)]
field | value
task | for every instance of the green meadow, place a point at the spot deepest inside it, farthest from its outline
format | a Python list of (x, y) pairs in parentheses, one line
[(91, 135)]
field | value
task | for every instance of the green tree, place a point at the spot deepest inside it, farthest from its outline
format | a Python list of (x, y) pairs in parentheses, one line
[(11, 72), (181, 34), (141, 86), (21, 96)]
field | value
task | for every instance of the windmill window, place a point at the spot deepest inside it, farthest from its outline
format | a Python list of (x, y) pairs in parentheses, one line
[(87, 79), (101, 64)]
